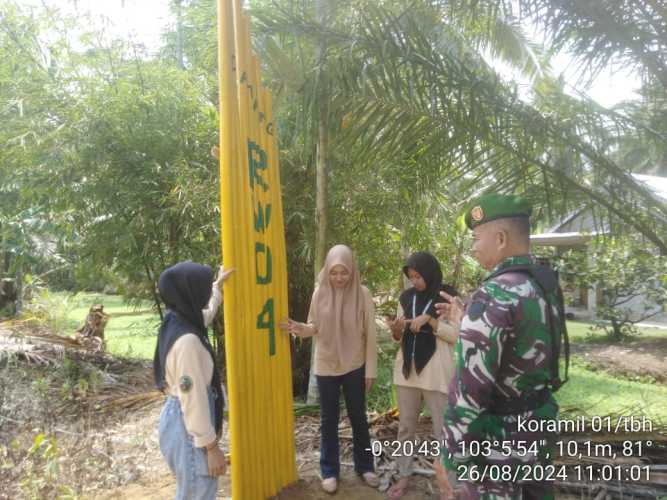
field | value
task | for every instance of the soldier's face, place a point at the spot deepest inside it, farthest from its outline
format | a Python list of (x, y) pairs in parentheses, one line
[(417, 280), (485, 246)]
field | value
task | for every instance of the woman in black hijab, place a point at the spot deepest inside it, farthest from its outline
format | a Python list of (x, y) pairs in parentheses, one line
[(425, 363), (185, 369)]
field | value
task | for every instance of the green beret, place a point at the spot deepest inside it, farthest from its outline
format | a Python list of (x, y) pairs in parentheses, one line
[(496, 206)]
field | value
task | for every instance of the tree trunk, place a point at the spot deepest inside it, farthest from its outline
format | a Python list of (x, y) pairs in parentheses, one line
[(322, 170), (458, 264), (153, 283), (19, 287), (91, 333), (179, 36)]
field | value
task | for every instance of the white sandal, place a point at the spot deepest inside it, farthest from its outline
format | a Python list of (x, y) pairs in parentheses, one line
[(371, 479), (330, 485)]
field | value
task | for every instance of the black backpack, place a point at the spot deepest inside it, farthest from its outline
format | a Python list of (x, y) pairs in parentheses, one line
[(546, 279)]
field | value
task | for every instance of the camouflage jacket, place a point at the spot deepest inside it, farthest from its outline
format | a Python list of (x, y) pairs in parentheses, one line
[(504, 352)]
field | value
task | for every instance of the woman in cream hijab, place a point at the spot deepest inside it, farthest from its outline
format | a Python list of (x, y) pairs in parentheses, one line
[(342, 322)]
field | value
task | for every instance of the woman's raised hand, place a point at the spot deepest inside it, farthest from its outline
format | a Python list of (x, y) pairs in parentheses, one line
[(222, 275), (292, 327)]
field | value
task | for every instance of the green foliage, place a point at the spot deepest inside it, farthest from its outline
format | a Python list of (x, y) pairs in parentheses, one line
[(50, 309), (383, 395), (420, 123), (122, 149), (625, 270), (106, 177), (143, 176), (644, 148), (596, 32), (78, 378), (34, 102), (41, 478)]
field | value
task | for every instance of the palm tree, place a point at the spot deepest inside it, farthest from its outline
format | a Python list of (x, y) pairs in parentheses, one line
[(408, 88), (412, 96), (630, 31)]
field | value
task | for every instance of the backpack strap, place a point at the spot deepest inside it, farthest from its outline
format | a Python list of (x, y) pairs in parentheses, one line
[(547, 281)]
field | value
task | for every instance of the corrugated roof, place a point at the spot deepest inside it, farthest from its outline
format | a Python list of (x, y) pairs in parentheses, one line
[(561, 239), (657, 185)]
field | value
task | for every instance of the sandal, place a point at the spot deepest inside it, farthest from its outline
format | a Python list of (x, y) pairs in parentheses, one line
[(398, 489)]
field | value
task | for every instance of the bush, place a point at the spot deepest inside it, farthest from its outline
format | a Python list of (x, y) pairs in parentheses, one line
[(625, 270), (49, 309)]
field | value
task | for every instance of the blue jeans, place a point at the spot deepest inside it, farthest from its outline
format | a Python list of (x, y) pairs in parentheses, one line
[(188, 463), (354, 390)]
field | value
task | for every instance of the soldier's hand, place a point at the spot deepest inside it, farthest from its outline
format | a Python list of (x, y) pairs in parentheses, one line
[(446, 490), (452, 311)]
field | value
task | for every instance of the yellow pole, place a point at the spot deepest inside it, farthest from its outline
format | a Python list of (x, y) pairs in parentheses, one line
[(258, 355), (252, 486), (230, 225), (288, 472), (269, 292)]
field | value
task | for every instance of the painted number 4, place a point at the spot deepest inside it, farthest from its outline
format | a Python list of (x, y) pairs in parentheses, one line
[(265, 320)]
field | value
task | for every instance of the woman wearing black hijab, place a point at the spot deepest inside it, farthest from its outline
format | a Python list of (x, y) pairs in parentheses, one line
[(185, 369), (425, 363)]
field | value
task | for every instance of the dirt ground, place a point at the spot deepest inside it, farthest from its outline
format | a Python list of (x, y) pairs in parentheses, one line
[(637, 358), (114, 454), (155, 481)]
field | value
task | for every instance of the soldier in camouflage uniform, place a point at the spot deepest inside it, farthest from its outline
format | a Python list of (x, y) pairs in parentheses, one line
[(507, 362)]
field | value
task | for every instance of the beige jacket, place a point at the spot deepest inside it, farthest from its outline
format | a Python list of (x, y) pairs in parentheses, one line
[(189, 358), (363, 351), (439, 370)]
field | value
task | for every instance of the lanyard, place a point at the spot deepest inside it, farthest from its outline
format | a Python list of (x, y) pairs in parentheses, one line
[(414, 315), (414, 306)]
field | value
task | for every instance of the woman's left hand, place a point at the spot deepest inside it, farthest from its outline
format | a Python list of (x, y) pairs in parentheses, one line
[(215, 458), (369, 384), (417, 323)]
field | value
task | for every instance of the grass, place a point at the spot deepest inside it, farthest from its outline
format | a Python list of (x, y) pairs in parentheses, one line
[(588, 392), (130, 332), (593, 393), (597, 392), (580, 332)]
